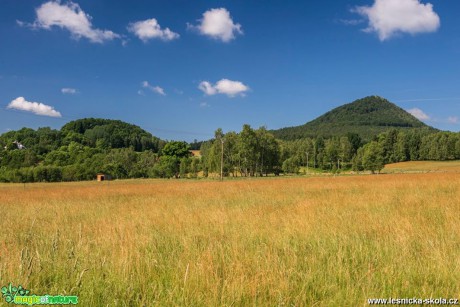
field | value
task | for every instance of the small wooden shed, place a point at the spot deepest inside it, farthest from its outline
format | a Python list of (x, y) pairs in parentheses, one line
[(102, 177)]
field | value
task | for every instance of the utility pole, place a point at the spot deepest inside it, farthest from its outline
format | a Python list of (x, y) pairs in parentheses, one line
[(314, 156), (222, 160), (307, 161)]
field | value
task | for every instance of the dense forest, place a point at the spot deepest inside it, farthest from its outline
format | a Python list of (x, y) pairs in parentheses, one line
[(83, 148)]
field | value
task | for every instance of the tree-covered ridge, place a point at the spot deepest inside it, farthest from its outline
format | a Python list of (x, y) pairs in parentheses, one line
[(112, 134), (366, 117)]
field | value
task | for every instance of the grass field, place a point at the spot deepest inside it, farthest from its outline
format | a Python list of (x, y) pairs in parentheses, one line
[(423, 166), (316, 241)]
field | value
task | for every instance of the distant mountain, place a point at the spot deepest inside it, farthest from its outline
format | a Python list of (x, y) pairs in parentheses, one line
[(367, 117)]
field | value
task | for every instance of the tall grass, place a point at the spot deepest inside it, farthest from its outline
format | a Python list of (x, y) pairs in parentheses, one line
[(299, 241), (423, 166)]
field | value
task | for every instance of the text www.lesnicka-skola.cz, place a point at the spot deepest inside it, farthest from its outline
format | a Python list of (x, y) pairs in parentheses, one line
[(413, 301)]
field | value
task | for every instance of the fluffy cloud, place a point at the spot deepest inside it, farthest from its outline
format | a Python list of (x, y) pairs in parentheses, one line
[(224, 86), (207, 88), (68, 90), (231, 88), (389, 17), (70, 16), (35, 107), (419, 114), (155, 89), (149, 29), (218, 24)]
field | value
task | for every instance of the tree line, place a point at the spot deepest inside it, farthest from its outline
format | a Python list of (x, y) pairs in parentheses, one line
[(82, 150), (258, 153)]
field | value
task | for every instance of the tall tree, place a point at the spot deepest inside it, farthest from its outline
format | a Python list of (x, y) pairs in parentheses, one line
[(172, 153), (373, 159), (248, 151)]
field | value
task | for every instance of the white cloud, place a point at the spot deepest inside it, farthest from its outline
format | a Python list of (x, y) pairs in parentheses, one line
[(390, 17), (155, 89), (149, 29), (452, 119), (231, 88), (204, 104), (70, 16), (218, 24), (159, 90), (68, 90), (419, 114), (207, 88), (224, 86), (35, 107)]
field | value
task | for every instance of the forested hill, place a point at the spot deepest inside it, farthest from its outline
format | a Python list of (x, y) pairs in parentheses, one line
[(89, 132), (77, 151), (111, 134), (366, 117)]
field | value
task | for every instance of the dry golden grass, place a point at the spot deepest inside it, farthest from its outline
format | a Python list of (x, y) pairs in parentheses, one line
[(423, 166), (299, 241)]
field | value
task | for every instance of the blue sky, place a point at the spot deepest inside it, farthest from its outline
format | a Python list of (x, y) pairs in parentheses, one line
[(181, 69)]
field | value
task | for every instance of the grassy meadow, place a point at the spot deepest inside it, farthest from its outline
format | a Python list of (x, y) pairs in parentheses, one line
[(318, 241), (423, 167)]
